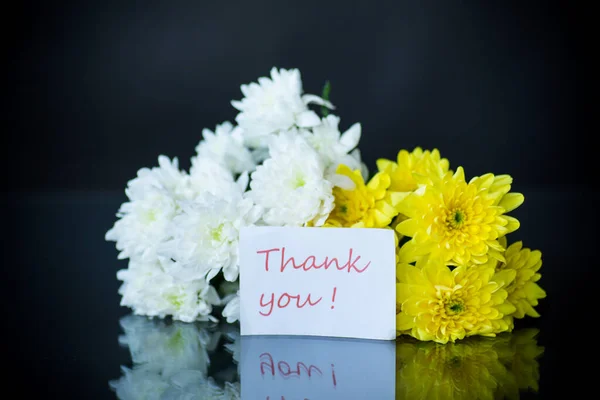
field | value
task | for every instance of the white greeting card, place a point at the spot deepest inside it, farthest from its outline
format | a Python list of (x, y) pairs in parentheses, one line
[(336, 282)]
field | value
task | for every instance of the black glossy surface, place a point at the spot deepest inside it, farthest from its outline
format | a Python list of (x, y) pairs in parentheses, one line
[(63, 314)]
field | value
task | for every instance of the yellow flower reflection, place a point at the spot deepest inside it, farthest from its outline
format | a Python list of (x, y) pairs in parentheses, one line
[(475, 368)]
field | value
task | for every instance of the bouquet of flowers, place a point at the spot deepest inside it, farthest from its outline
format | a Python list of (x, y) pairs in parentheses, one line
[(283, 164)]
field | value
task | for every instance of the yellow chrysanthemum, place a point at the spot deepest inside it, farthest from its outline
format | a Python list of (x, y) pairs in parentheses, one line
[(456, 221), (412, 168), (475, 368), (442, 305), (523, 291), (362, 206)]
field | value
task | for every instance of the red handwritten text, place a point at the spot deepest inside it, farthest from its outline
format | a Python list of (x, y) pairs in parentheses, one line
[(310, 262), (284, 300)]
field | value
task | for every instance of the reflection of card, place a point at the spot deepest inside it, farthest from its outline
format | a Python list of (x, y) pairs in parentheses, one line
[(335, 282), (296, 367)]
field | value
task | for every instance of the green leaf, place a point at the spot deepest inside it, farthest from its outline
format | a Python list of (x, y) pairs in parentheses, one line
[(325, 96)]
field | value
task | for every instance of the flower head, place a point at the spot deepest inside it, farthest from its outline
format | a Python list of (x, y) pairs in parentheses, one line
[(362, 206), (290, 185), (523, 291), (150, 291), (334, 147), (226, 146), (209, 176), (275, 104), (413, 168), (205, 237), (456, 221), (438, 304), (143, 220)]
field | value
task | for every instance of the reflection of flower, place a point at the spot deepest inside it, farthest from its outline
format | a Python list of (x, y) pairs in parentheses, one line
[(458, 221), (476, 368), (171, 361), (519, 352), (438, 304)]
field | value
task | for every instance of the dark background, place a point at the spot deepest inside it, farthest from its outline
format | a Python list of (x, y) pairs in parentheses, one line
[(103, 88), (97, 90)]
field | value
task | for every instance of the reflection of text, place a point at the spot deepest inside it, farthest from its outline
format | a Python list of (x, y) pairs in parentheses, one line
[(282, 398), (297, 369)]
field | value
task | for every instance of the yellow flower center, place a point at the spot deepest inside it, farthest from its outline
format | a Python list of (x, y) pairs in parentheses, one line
[(149, 216), (299, 181), (456, 219), (351, 205), (455, 308), (450, 303), (216, 233), (176, 300)]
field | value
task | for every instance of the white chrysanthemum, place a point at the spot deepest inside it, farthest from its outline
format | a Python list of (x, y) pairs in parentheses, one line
[(226, 147), (290, 185), (334, 147), (232, 309), (208, 176), (150, 291), (205, 236), (152, 204), (166, 348), (274, 105), (167, 177), (354, 161)]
